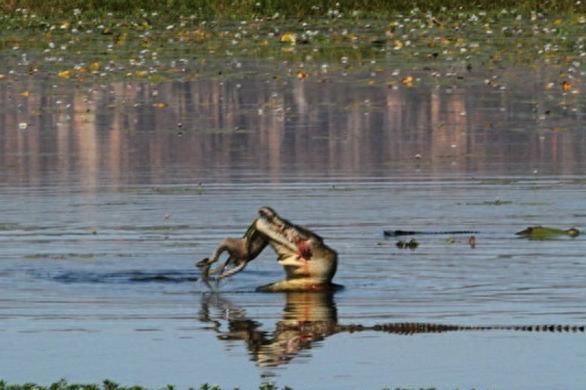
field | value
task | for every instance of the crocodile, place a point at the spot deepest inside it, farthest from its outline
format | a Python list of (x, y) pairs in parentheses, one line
[(310, 317), (543, 233), (309, 263), (396, 233), (535, 232)]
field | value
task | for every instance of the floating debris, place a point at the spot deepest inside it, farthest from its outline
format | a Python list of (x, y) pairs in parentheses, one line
[(411, 244), (408, 81), (472, 242), (301, 75)]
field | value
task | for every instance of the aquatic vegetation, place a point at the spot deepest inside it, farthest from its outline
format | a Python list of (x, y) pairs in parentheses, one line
[(407, 48), (110, 385), (276, 8), (9, 226)]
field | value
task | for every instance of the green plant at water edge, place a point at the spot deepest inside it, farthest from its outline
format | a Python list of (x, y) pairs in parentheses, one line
[(110, 385)]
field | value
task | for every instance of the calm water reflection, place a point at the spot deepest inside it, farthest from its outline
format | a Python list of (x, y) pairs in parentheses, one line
[(132, 133), (309, 318), (111, 192)]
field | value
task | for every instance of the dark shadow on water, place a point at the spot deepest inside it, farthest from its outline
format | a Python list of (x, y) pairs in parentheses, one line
[(125, 277)]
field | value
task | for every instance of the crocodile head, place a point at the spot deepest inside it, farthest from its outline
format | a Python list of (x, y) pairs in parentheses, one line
[(309, 263)]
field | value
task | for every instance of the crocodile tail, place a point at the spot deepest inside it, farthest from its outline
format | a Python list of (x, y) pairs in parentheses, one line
[(550, 328), (409, 328)]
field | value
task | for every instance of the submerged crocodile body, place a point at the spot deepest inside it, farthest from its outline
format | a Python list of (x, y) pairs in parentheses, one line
[(535, 232), (396, 233), (407, 328), (310, 317)]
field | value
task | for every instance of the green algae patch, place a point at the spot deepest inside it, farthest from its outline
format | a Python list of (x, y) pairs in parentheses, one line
[(7, 226)]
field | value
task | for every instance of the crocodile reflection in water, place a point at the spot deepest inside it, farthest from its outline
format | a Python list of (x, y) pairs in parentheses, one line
[(310, 317), (307, 317)]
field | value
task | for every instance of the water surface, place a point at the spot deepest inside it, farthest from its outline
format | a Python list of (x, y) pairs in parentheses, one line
[(109, 196)]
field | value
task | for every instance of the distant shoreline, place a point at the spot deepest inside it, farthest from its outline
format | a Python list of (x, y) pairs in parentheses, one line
[(110, 43)]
